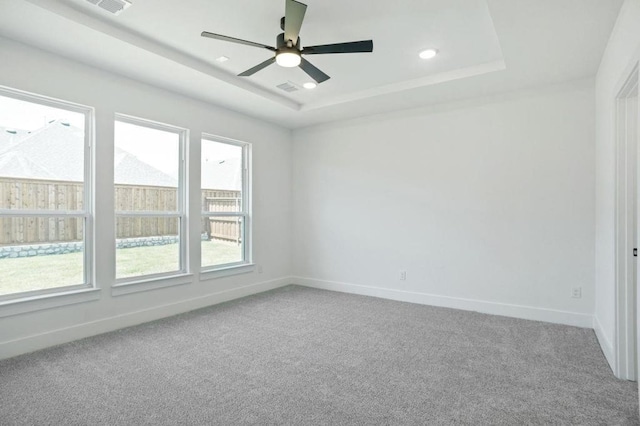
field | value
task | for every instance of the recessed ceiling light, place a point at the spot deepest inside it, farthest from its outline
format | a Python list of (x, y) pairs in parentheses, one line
[(309, 85), (428, 53), (222, 59)]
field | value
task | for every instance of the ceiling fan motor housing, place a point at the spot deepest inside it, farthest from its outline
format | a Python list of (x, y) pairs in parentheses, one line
[(282, 45)]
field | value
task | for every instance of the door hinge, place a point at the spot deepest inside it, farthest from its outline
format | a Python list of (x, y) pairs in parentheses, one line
[(635, 252)]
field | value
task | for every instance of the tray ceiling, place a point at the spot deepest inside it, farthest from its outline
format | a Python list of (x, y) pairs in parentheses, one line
[(489, 42)]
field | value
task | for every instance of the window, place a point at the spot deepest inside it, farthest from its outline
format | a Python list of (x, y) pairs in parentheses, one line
[(149, 199), (225, 203), (45, 198)]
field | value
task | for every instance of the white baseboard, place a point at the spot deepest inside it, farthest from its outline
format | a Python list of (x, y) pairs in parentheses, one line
[(605, 343), (68, 334), (494, 308)]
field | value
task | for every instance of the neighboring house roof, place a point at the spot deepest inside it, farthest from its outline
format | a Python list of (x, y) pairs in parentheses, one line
[(14, 164), (131, 171), (51, 153), (10, 136), (225, 175)]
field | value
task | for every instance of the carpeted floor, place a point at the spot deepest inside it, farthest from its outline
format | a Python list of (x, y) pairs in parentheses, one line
[(301, 356)]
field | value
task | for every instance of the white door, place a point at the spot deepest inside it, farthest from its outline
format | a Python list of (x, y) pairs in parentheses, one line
[(627, 228)]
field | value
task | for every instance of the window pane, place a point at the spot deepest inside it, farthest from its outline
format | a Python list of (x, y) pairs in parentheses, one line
[(222, 241), (147, 245), (40, 253), (41, 156), (147, 164), (221, 177)]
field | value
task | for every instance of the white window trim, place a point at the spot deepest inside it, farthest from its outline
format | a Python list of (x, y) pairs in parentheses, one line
[(151, 282), (17, 303), (246, 265), (39, 302), (227, 270), (182, 276)]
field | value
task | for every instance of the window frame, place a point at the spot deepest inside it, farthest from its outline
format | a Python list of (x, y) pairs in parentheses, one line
[(180, 213), (246, 213), (88, 200)]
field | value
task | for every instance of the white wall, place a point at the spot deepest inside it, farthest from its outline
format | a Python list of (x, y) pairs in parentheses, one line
[(42, 73), (488, 205), (622, 51)]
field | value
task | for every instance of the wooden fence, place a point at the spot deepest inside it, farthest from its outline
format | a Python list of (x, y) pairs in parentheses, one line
[(145, 198), (222, 228), (32, 194), (40, 195)]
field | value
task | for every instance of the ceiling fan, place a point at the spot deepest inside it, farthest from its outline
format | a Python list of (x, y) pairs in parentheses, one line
[(288, 50)]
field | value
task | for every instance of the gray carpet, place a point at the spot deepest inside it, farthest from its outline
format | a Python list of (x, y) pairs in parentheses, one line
[(302, 356)]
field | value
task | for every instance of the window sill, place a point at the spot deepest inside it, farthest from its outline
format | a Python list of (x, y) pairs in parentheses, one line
[(47, 301), (151, 283), (227, 271)]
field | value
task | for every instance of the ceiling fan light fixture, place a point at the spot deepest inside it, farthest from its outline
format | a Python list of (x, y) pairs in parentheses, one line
[(288, 59), (428, 53)]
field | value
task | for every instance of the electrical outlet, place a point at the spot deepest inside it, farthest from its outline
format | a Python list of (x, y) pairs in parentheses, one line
[(259, 269), (403, 275), (576, 292)]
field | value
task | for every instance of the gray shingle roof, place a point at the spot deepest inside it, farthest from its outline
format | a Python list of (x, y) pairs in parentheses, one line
[(13, 164), (51, 152), (130, 170), (10, 136)]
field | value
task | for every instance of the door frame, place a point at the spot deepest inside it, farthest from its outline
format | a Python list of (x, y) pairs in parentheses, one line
[(626, 225)]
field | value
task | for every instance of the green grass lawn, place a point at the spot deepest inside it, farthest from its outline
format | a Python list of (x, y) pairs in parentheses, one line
[(44, 272)]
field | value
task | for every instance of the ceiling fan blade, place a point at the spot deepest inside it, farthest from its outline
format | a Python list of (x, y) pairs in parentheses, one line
[(293, 15), (350, 47), (313, 72), (236, 40), (257, 68)]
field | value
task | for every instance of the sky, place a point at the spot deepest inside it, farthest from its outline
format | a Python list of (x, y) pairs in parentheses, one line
[(22, 115), (216, 151), (158, 148)]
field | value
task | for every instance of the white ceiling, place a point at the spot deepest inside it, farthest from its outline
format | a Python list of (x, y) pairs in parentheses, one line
[(486, 47)]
